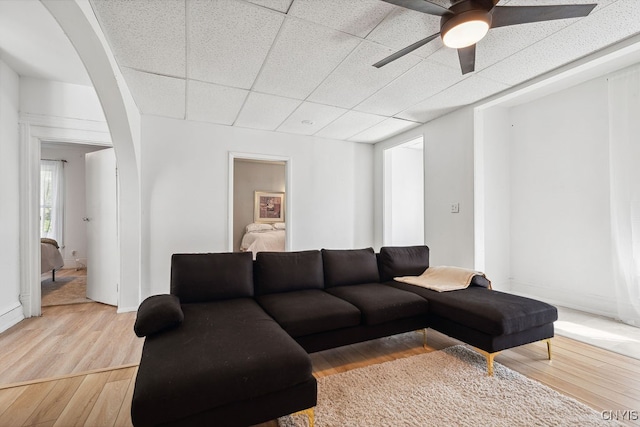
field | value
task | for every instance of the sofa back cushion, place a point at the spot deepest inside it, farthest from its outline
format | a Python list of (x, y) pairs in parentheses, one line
[(395, 261), (349, 267), (209, 277), (288, 271)]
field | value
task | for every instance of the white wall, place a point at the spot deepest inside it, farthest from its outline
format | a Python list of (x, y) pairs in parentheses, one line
[(185, 190), (75, 229), (448, 146), (10, 308), (493, 187), (448, 175), (560, 220), (49, 98)]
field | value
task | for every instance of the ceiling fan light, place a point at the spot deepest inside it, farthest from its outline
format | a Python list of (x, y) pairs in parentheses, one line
[(465, 29), (465, 34)]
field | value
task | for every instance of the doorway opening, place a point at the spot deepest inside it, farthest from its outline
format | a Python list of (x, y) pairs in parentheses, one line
[(259, 206), (64, 203), (403, 214)]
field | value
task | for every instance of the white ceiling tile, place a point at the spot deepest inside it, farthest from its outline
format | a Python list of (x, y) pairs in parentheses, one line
[(229, 40), (350, 124), (315, 116), (146, 35), (279, 5), (353, 17), (383, 130), (157, 95), (356, 78), (422, 81), (606, 26), (267, 112), (464, 93), (404, 27), (503, 42), (302, 57), (207, 102)]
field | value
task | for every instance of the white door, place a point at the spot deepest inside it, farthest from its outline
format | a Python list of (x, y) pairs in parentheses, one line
[(102, 226)]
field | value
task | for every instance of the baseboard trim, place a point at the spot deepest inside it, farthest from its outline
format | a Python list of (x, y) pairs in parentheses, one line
[(12, 316), (590, 303), (126, 309)]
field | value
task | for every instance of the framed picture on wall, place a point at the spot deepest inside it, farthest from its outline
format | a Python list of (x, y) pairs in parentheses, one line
[(268, 207)]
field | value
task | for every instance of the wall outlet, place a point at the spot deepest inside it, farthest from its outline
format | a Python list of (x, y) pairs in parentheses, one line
[(455, 207)]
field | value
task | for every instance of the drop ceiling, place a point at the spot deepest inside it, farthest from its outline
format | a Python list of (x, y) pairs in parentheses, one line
[(305, 66)]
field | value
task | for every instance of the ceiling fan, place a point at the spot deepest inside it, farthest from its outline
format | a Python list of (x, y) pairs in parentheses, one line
[(467, 21)]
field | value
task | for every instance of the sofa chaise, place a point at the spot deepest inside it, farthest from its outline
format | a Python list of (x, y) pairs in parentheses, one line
[(229, 346)]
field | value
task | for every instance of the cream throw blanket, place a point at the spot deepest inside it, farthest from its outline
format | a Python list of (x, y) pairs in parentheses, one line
[(442, 279)]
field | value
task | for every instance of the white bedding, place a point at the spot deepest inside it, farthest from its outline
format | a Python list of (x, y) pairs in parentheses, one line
[(264, 241), (50, 258)]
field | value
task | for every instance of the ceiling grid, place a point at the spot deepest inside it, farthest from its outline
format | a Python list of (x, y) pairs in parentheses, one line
[(305, 66)]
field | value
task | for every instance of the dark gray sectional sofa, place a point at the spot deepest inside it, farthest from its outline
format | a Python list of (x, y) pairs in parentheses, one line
[(229, 346)]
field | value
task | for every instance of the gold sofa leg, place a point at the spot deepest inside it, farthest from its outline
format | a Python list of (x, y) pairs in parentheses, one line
[(424, 337), (310, 415), (489, 357)]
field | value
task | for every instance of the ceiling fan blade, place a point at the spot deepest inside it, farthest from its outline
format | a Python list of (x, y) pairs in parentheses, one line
[(423, 6), (512, 15), (404, 51), (467, 56)]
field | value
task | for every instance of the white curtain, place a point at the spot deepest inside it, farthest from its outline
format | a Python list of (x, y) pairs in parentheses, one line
[(624, 173), (52, 200)]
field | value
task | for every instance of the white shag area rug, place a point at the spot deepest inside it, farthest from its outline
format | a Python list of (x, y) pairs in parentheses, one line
[(442, 388)]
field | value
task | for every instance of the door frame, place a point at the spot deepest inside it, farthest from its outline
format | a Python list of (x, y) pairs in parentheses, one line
[(33, 130), (233, 155)]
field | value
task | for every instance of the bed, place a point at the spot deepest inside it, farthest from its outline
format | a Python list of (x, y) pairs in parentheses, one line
[(263, 238), (50, 257)]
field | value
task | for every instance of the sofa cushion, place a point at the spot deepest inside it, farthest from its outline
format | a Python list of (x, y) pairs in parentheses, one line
[(158, 313), (491, 312), (380, 303), (209, 277), (225, 351), (396, 261), (345, 267), (288, 271), (310, 311)]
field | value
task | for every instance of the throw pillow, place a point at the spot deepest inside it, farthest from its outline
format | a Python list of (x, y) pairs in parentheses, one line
[(158, 313)]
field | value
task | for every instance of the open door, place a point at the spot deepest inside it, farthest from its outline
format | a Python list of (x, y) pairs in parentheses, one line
[(102, 226)]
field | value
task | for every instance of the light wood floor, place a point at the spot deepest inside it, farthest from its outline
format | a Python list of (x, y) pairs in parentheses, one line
[(68, 339), (601, 379), (70, 287)]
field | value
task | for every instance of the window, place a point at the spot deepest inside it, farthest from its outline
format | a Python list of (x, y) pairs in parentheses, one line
[(52, 200)]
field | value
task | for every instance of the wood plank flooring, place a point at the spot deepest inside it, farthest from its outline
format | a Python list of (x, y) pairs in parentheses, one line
[(601, 379), (70, 287), (96, 399), (68, 339)]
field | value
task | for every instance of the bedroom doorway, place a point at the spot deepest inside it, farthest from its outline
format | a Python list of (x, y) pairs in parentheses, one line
[(68, 285), (259, 206), (403, 214)]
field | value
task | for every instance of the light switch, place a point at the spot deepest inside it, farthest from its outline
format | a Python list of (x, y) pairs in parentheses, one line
[(455, 207)]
